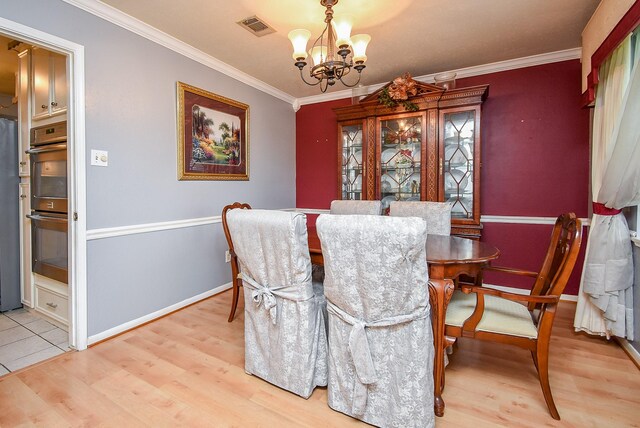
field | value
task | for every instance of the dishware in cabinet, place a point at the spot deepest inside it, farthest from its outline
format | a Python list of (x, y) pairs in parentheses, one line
[(352, 158), (400, 166), (459, 130)]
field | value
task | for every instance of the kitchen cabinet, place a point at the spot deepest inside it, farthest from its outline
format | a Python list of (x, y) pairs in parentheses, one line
[(24, 66), (26, 280), (429, 152), (51, 298), (48, 84)]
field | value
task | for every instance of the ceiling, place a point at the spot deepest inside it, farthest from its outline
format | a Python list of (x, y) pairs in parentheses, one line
[(418, 36)]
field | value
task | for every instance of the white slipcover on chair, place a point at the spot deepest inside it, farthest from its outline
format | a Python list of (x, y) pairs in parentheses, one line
[(285, 335), (356, 207), (381, 339), (436, 214)]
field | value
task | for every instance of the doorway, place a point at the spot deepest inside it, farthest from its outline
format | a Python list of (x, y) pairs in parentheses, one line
[(77, 281)]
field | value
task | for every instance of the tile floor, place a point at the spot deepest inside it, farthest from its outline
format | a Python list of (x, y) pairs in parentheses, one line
[(26, 339)]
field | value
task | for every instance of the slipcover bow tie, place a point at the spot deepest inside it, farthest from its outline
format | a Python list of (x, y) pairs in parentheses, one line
[(361, 352), (266, 296)]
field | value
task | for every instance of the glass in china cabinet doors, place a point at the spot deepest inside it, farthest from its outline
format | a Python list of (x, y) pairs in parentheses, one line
[(352, 170), (459, 140), (400, 159)]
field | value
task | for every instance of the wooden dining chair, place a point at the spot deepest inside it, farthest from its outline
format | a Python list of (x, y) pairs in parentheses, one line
[(436, 214), (521, 320), (355, 207), (235, 282)]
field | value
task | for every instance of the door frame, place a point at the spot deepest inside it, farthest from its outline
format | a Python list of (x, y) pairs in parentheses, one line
[(78, 328)]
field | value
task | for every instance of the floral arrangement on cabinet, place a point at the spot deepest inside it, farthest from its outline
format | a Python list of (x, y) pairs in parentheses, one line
[(398, 93)]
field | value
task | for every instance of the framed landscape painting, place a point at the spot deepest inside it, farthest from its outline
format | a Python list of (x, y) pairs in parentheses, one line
[(213, 136)]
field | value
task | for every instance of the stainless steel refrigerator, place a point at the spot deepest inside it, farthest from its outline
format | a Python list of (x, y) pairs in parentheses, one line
[(9, 217)]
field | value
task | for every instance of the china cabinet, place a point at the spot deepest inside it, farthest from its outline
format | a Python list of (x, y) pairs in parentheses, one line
[(430, 151)]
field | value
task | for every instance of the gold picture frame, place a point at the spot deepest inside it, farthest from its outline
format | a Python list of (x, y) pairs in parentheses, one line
[(213, 136)]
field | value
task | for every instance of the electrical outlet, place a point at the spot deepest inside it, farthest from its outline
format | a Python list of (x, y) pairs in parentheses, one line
[(227, 256)]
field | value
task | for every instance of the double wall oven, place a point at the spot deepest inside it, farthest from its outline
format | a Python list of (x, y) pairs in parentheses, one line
[(49, 212)]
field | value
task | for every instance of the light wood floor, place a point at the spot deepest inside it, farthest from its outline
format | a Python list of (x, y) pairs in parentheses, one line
[(187, 369)]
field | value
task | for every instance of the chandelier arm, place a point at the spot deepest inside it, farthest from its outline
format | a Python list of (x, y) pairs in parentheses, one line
[(309, 83), (343, 70), (351, 86), (324, 88), (323, 58)]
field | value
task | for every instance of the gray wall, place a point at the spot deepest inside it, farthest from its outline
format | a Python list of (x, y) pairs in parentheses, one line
[(11, 110), (131, 112)]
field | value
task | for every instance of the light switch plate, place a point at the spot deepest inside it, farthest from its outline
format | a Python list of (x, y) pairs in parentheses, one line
[(99, 157)]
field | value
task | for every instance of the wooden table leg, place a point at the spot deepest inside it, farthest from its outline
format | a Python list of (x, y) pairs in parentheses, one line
[(440, 292)]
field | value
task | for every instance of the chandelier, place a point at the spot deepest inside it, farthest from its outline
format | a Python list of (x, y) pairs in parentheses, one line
[(332, 52)]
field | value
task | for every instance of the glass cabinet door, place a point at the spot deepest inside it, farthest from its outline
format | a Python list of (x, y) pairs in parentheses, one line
[(352, 170), (401, 142), (459, 141)]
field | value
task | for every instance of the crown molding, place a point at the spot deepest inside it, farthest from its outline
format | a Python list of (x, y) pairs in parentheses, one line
[(478, 70), (121, 19)]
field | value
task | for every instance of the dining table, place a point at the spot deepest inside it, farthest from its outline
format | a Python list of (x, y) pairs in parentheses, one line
[(448, 257)]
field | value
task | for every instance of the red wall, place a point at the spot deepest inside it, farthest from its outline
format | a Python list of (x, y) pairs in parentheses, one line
[(317, 154), (535, 141), (535, 158)]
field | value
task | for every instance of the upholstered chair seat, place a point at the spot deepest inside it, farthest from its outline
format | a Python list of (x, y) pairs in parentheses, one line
[(284, 325), (500, 315)]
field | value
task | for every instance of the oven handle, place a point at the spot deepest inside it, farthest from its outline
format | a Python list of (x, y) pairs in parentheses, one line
[(61, 139), (47, 218), (45, 149)]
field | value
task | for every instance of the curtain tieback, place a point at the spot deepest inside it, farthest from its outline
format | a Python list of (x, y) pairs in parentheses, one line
[(361, 352), (601, 209), (266, 296)]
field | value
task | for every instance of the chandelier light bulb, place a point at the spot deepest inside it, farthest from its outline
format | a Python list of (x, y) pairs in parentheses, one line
[(342, 25), (319, 54), (299, 39), (359, 43)]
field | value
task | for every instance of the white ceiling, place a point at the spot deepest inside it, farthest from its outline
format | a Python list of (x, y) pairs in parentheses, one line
[(418, 36)]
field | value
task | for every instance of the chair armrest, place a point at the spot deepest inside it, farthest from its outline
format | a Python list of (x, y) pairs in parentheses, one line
[(512, 271), (509, 296)]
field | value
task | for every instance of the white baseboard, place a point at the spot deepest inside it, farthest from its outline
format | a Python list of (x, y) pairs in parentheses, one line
[(630, 350), (155, 315)]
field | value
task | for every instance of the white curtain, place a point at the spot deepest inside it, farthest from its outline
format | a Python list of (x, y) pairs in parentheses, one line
[(605, 299)]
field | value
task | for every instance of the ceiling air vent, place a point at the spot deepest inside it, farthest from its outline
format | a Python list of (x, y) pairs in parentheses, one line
[(256, 26)]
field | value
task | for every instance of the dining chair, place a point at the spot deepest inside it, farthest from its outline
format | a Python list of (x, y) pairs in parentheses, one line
[(235, 282), (284, 323), (436, 214), (347, 207), (524, 321), (381, 340)]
